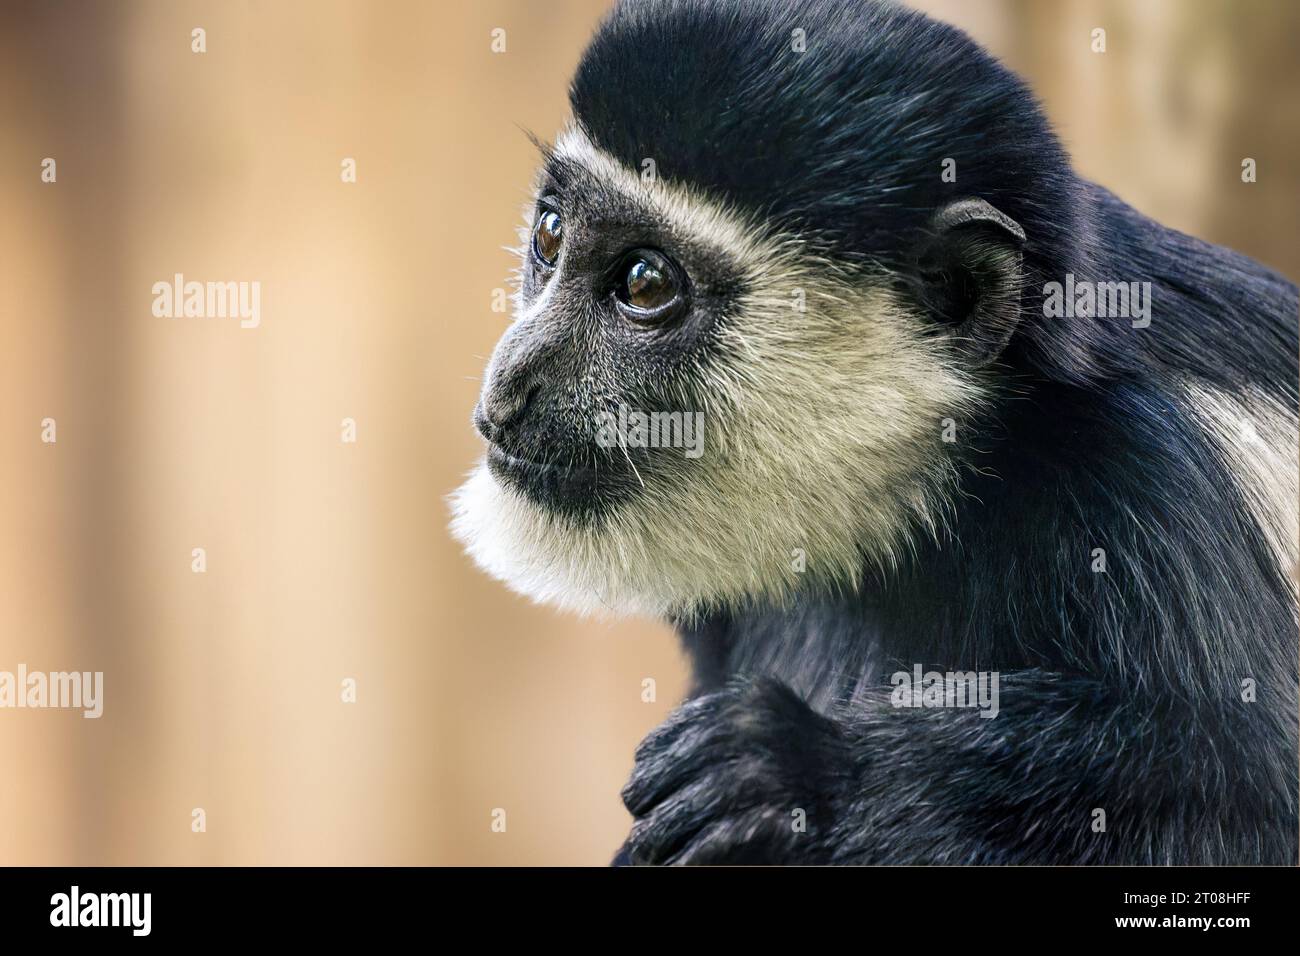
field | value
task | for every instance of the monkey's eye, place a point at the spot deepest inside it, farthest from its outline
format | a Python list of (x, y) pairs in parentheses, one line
[(547, 235), (649, 289)]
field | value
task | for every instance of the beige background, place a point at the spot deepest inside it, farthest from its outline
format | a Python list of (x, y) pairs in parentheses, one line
[(328, 560)]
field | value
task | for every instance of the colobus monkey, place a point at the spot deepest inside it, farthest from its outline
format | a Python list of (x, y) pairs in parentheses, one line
[(941, 451)]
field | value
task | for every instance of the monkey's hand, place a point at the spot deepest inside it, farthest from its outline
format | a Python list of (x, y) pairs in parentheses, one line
[(749, 774)]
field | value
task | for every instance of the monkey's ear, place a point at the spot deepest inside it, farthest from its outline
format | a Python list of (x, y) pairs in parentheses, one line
[(969, 270)]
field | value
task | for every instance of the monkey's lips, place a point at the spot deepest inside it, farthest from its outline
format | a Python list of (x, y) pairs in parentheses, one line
[(572, 487)]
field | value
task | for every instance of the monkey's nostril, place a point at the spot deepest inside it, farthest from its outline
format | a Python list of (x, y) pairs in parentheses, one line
[(502, 407)]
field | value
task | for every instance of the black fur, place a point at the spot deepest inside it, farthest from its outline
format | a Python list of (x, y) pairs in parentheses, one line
[(1120, 691)]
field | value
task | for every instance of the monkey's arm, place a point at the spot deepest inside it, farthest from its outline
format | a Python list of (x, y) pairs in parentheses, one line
[(750, 774)]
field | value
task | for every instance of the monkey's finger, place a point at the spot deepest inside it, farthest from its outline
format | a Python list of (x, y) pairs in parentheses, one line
[(756, 838), (676, 723), (672, 823), (659, 772)]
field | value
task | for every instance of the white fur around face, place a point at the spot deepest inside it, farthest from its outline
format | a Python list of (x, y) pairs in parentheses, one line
[(822, 436)]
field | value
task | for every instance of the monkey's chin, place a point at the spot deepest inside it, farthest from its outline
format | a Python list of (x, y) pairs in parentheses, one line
[(549, 556)]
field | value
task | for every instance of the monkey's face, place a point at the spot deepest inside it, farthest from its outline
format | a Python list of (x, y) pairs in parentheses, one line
[(690, 410), (617, 317)]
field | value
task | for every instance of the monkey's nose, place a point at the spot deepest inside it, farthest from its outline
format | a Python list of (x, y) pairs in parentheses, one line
[(501, 407)]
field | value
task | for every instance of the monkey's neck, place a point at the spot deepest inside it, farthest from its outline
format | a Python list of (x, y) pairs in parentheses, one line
[(822, 649), (1111, 554)]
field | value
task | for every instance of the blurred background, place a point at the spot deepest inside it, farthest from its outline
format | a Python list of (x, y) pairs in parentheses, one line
[(329, 561)]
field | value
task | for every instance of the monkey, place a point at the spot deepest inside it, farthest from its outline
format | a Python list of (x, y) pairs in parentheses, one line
[(917, 459)]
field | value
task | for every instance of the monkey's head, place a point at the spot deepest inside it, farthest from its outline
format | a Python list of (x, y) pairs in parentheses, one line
[(755, 311)]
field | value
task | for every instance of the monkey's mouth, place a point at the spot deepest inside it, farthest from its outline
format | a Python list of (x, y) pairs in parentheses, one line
[(573, 487), (501, 460)]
